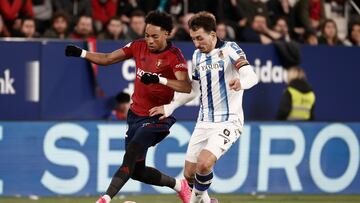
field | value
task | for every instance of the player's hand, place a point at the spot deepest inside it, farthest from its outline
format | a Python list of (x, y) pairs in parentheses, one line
[(72, 50), (235, 84), (158, 110), (149, 78)]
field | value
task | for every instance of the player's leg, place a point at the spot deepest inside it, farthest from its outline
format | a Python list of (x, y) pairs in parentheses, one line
[(122, 175), (203, 176), (222, 136), (152, 176), (189, 172), (197, 142), (133, 151), (151, 134)]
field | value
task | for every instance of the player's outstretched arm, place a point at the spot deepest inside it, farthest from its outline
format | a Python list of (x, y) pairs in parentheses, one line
[(179, 100), (181, 84), (103, 59)]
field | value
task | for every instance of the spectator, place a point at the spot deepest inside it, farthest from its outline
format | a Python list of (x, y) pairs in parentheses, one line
[(15, 9), (310, 38), (122, 107), (281, 27), (59, 26), (310, 14), (73, 8), (251, 8), (231, 13), (83, 28), (221, 31), (103, 11), (183, 32), (280, 8), (28, 28), (329, 34), (354, 34), (258, 31), (42, 14), (114, 30), (174, 7), (298, 100), (137, 26), (15, 30), (3, 29), (125, 9)]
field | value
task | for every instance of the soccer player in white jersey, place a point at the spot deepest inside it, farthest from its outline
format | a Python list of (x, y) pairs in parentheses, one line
[(221, 73)]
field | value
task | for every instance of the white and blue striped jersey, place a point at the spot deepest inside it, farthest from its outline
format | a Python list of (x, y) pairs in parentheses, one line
[(214, 70)]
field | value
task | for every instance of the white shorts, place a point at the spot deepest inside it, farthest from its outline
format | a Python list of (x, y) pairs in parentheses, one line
[(214, 137)]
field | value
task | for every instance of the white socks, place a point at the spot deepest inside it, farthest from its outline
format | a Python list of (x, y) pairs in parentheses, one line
[(205, 197), (202, 184), (177, 186), (202, 197)]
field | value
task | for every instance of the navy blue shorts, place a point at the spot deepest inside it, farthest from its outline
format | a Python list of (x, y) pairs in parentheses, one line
[(147, 131)]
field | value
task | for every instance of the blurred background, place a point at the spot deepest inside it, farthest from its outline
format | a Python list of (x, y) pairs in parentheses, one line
[(62, 120)]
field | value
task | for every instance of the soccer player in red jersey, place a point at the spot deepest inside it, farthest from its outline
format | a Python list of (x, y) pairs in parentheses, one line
[(160, 70)]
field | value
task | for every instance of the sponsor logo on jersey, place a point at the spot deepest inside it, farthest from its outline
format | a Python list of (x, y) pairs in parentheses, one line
[(141, 72), (214, 66), (180, 65)]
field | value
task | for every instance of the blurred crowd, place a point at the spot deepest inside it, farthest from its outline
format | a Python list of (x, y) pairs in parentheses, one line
[(313, 22)]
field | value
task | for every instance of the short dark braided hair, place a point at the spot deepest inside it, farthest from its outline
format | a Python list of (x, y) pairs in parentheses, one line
[(161, 19)]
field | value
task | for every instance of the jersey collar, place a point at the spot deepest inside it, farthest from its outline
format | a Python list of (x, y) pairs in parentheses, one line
[(219, 43)]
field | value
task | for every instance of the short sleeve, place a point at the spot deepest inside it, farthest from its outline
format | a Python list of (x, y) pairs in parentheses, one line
[(237, 55), (179, 63), (129, 49)]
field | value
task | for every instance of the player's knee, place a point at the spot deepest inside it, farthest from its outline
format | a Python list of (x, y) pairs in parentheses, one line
[(127, 167), (139, 171), (130, 157), (137, 175), (204, 166)]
